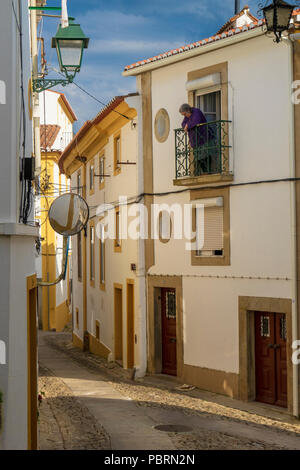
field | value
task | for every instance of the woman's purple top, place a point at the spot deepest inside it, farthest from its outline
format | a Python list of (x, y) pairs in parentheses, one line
[(197, 117)]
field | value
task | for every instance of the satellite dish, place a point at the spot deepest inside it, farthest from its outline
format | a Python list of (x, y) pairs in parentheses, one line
[(68, 214)]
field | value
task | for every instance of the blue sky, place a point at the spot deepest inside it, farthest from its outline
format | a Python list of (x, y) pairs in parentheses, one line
[(124, 31)]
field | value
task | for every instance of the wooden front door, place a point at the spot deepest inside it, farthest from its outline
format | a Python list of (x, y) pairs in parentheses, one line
[(270, 358), (32, 358), (118, 325), (130, 324), (169, 346)]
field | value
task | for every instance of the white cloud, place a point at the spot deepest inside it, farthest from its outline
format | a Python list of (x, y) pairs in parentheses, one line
[(100, 20), (105, 46)]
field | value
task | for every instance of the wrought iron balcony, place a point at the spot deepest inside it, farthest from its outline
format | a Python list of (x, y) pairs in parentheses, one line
[(205, 151)]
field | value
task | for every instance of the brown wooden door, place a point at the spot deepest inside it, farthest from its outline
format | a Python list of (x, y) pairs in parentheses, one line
[(130, 325), (169, 346), (270, 358), (281, 360), (118, 325)]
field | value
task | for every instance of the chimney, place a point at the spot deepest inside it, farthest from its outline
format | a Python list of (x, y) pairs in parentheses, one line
[(237, 7)]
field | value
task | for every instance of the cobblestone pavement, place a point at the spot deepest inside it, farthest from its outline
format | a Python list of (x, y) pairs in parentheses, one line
[(222, 422), (64, 424)]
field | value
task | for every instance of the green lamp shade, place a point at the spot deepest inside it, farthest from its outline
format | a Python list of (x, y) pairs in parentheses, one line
[(69, 43)]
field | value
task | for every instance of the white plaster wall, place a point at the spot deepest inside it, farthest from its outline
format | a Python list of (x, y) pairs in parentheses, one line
[(77, 295), (52, 113), (260, 215), (259, 100), (100, 304), (17, 253)]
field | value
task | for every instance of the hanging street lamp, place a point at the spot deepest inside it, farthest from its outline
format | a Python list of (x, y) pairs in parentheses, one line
[(278, 15), (69, 43)]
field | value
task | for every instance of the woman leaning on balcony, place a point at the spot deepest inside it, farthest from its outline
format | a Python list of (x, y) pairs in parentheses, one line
[(198, 136), (193, 117)]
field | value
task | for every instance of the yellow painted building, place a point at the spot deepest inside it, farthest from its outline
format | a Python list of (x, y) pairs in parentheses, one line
[(56, 132)]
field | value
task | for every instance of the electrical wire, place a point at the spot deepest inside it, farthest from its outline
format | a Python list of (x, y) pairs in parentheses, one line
[(139, 197), (90, 95)]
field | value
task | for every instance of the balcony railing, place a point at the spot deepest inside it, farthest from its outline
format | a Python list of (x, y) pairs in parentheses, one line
[(204, 152), (65, 139)]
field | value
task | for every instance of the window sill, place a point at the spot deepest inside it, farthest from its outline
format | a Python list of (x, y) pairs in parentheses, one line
[(203, 179), (210, 260)]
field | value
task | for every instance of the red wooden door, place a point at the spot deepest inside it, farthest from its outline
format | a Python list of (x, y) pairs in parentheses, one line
[(281, 360), (270, 358), (168, 312)]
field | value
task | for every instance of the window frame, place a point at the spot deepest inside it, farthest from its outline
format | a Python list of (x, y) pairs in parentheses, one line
[(102, 249), (79, 183), (117, 169), (213, 260), (92, 273), (92, 186), (117, 241), (102, 180), (208, 91), (79, 257)]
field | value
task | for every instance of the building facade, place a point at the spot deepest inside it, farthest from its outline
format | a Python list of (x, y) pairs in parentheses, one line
[(103, 162), (56, 132), (223, 314), (18, 364)]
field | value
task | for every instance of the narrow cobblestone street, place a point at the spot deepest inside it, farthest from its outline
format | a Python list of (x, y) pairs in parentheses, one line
[(89, 404)]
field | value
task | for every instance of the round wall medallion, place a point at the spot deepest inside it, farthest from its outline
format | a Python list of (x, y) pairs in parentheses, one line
[(162, 125)]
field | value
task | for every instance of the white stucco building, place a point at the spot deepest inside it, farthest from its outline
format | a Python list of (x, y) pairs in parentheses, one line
[(18, 377), (224, 317)]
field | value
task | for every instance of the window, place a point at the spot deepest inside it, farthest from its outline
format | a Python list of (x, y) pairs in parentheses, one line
[(212, 225), (162, 125), (210, 105), (79, 184), (102, 257), (101, 172), (79, 257), (117, 154), (117, 231), (213, 231), (92, 178), (92, 255)]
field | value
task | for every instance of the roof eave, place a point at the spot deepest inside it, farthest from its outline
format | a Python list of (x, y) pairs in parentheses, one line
[(237, 38)]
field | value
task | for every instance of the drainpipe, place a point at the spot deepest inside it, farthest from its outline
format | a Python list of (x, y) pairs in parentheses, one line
[(293, 210)]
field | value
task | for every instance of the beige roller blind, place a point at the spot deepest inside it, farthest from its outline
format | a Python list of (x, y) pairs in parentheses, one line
[(213, 229)]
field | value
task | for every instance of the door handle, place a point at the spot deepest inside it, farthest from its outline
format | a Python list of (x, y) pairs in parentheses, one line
[(271, 346), (276, 346), (172, 340)]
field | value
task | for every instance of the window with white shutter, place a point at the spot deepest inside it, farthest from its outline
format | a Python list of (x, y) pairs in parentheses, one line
[(213, 231), (211, 223)]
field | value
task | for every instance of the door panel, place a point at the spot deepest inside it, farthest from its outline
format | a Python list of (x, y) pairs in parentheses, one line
[(169, 344), (130, 326), (118, 325), (281, 360), (265, 357), (271, 358)]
